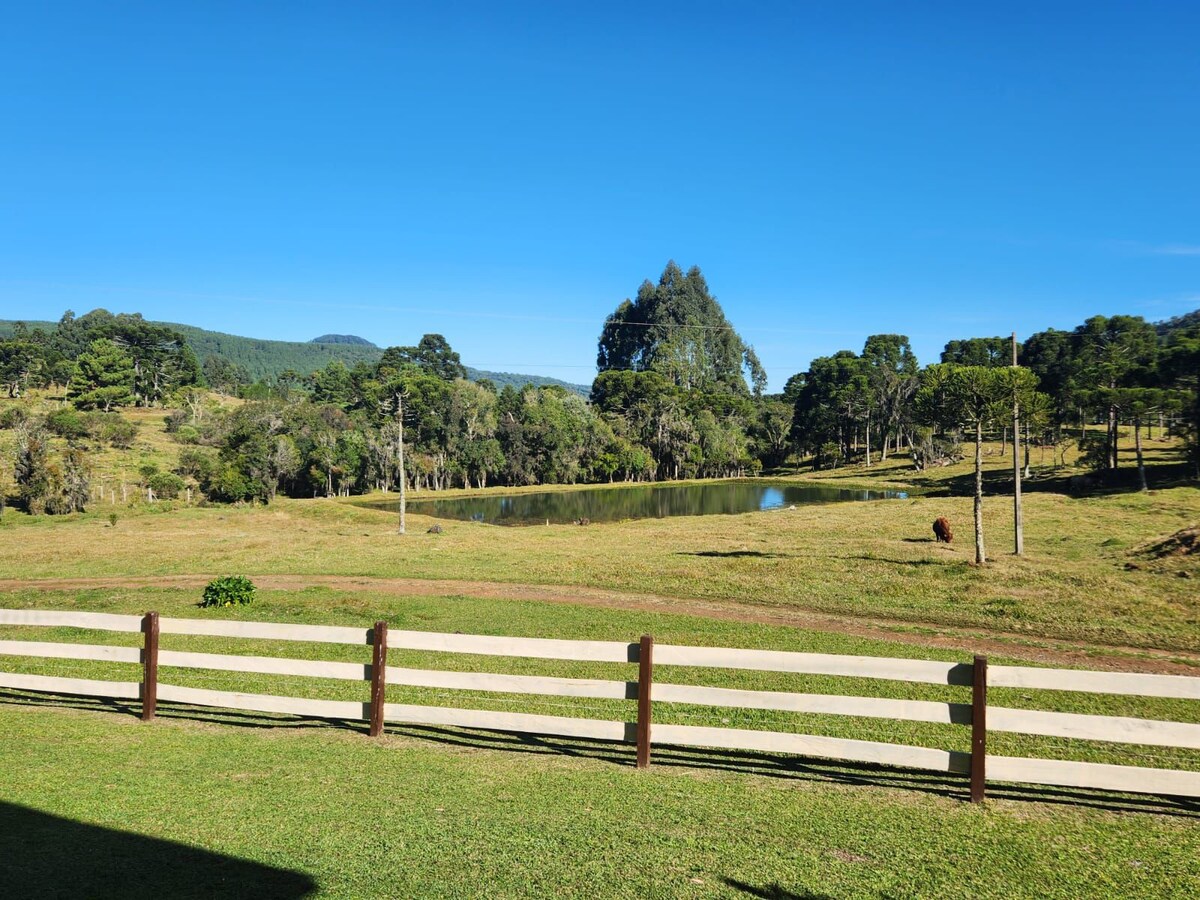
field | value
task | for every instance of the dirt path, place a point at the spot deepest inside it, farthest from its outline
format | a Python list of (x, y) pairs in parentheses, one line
[(1021, 646)]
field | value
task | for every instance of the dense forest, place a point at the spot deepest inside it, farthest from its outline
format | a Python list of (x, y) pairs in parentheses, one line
[(252, 360), (678, 395)]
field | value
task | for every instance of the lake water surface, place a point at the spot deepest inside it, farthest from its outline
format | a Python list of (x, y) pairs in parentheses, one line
[(648, 501)]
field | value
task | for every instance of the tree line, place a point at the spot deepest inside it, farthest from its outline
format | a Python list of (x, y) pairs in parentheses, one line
[(679, 394)]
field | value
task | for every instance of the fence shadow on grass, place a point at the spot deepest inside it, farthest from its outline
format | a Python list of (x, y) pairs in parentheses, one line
[(747, 762), (803, 769), (43, 856)]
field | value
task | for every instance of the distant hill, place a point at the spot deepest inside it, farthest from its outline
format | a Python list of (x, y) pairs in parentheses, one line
[(267, 359), (1187, 320), (500, 379), (343, 339)]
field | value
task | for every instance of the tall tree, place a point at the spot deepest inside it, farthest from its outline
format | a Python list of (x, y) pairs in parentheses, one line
[(892, 371), (104, 378), (677, 328), (964, 396), (1112, 353)]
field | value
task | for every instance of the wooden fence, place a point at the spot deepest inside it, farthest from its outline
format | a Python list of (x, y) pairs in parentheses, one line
[(978, 765)]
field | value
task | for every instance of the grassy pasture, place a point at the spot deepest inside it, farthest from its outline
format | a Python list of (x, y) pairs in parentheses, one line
[(451, 813), (857, 561)]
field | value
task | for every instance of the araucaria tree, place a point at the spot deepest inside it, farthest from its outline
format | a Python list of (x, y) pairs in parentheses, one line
[(968, 397), (677, 328), (104, 377)]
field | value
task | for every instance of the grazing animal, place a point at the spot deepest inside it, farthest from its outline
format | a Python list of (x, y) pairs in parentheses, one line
[(436, 529), (583, 521), (941, 530)]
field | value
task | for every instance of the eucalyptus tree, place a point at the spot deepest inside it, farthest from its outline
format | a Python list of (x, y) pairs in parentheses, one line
[(678, 329)]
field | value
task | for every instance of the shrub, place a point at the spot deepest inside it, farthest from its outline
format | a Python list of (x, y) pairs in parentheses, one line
[(166, 485), (67, 423), (188, 434), (13, 416), (1093, 450), (118, 432), (175, 420), (229, 484), (197, 463), (112, 520), (232, 590)]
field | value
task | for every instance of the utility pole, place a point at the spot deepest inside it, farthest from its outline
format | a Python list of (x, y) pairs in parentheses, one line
[(400, 452), (1018, 532)]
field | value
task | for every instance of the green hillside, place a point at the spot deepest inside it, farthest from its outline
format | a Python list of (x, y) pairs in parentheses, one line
[(266, 359)]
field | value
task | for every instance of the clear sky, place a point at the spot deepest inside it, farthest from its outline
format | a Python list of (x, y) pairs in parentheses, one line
[(505, 174)]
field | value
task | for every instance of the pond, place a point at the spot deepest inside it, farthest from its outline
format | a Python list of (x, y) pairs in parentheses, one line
[(648, 501)]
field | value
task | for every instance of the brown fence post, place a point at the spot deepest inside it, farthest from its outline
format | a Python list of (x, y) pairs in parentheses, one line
[(645, 685), (378, 676), (150, 666), (979, 729)]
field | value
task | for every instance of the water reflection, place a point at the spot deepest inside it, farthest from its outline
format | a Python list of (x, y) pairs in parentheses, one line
[(657, 501)]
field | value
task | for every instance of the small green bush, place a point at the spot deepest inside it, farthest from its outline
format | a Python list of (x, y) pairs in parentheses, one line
[(13, 416), (118, 432), (68, 423), (232, 590), (166, 485)]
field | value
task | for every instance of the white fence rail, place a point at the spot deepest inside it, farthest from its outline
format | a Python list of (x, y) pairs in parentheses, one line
[(645, 690)]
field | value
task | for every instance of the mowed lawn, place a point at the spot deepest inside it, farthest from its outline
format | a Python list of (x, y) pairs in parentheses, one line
[(456, 813), (411, 816)]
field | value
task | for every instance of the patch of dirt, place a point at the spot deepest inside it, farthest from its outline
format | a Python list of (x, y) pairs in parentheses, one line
[(965, 640), (1184, 542)]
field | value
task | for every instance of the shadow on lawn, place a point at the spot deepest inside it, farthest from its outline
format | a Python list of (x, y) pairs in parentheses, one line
[(43, 855), (800, 769), (745, 762), (773, 891), (1123, 480), (736, 554)]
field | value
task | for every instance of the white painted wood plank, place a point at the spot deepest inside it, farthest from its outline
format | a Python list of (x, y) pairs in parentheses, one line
[(268, 665), (505, 721), (511, 684), (918, 670), (1186, 687), (1094, 728), (536, 648), (322, 634), (1133, 779), (126, 690), (325, 709), (833, 704), (811, 745), (70, 619), (48, 650)]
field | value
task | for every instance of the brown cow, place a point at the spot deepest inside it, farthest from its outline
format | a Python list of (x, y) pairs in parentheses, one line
[(941, 530)]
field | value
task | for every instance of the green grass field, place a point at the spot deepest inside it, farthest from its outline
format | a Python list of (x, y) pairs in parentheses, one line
[(240, 804)]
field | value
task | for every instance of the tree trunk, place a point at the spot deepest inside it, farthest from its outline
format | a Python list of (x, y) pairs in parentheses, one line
[(980, 557), (1113, 462), (868, 439), (1141, 463), (1026, 472)]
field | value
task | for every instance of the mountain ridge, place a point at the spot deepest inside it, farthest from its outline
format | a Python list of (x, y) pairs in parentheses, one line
[(266, 358)]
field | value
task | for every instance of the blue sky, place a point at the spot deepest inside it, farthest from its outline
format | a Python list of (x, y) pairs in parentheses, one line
[(506, 174)]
